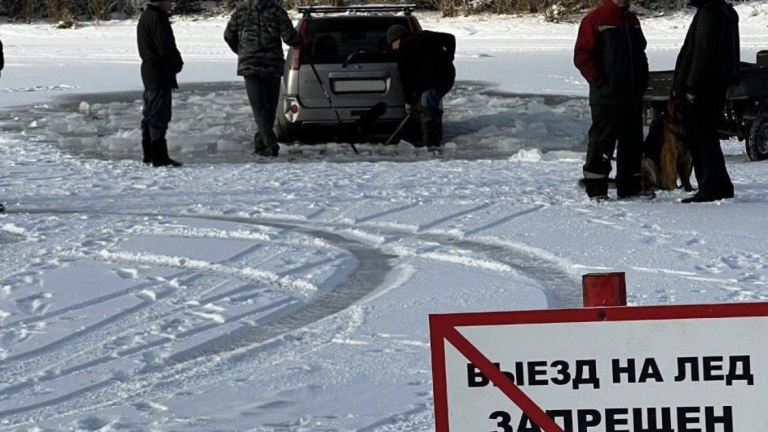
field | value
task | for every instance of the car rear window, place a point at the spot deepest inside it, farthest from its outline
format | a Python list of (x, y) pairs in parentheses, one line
[(333, 40)]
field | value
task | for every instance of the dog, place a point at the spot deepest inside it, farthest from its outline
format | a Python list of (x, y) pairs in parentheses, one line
[(666, 156)]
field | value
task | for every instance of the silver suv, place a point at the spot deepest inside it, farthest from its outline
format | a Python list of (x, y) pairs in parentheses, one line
[(357, 71)]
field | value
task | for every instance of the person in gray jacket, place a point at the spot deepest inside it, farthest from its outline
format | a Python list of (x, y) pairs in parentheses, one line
[(254, 33)]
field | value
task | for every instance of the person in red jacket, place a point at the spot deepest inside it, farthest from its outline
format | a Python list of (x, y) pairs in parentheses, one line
[(610, 54)]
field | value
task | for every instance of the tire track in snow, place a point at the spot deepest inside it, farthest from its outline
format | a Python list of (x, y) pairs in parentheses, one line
[(298, 287), (387, 213), (280, 308), (192, 363), (370, 272), (100, 330), (561, 287), (373, 267), (504, 220), (95, 335), (449, 218)]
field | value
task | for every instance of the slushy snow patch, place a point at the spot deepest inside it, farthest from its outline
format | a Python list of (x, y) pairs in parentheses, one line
[(532, 155)]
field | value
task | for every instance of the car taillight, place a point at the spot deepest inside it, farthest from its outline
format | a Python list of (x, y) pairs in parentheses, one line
[(296, 58), (413, 24)]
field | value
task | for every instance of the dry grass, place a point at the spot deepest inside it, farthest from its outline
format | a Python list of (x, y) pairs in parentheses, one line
[(552, 10)]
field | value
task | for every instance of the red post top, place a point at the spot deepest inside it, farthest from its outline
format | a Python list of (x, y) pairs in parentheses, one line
[(605, 289)]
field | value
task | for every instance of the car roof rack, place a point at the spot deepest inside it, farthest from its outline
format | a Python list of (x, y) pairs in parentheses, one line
[(307, 11)]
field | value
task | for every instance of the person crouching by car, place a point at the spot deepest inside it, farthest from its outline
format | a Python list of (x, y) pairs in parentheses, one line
[(427, 74), (160, 63), (254, 33)]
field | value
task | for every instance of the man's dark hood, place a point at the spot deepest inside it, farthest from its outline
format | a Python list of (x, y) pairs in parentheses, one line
[(724, 7), (719, 5), (158, 9), (265, 4), (731, 13), (698, 4)]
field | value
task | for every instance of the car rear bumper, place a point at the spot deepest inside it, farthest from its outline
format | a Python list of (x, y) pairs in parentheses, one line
[(321, 124)]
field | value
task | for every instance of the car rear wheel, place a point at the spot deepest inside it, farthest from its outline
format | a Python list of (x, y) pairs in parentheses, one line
[(283, 135), (757, 141)]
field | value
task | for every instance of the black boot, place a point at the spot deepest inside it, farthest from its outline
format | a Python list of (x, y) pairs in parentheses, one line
[(2, 208), (597, 189), (431, 126), (703, 197), (147, 148), (146, 145), (160, 156), (633, 189), (259, 147), (269, 152)]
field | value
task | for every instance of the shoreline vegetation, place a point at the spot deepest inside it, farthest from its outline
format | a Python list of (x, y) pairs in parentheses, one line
[(70, 13)]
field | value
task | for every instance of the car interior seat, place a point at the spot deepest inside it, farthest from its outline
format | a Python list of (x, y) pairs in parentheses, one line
[(326, 46)]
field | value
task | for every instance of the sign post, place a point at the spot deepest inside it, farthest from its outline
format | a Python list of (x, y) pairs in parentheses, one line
[(639, 369), (605, 290)]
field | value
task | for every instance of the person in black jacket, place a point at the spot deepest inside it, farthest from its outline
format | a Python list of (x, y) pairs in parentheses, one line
[(427, 74), (707, 65), (610, 54), (160, 62), (254, 33)]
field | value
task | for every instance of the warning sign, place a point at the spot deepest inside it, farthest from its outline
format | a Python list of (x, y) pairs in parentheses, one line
[(638, 369)]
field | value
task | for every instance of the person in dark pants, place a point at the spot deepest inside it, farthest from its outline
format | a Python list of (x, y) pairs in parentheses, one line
[(707, 65), (254, 33), (2, 65), (427, 74), (610, 54), (160, 63)]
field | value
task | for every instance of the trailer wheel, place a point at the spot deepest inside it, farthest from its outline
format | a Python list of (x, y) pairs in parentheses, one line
[(757, 141)]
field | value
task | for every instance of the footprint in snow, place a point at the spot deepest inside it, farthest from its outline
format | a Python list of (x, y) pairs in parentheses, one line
[(694, 241), (36, 304), (149, 406), (127, 273), (93, 423)]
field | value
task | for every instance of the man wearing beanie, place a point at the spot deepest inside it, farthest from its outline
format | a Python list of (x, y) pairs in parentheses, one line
[(427, 74), (707, 65), (160, 63), (610, 54)]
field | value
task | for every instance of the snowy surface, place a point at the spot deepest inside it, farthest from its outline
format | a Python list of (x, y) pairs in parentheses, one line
[(520, 54), (293, 295)]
